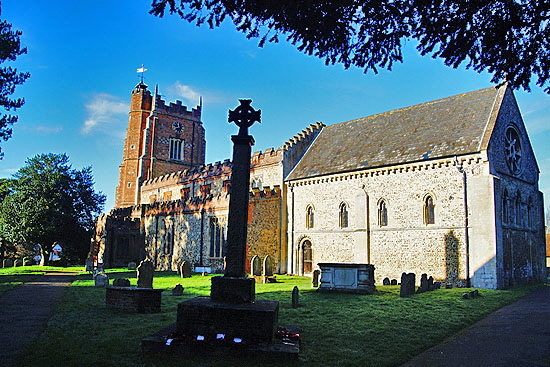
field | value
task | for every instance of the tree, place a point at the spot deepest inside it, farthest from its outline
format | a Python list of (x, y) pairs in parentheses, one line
[(508, 38), (51, 202), (10, 78)]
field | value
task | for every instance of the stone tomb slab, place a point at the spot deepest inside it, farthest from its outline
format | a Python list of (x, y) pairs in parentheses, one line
[(347, 277), (252, 323), (140, 300)]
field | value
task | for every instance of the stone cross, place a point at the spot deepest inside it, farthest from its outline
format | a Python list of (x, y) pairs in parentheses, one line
[(244, 116)]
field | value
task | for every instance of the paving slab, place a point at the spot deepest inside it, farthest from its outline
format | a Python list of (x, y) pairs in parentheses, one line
[(515, 335), (25, 311)]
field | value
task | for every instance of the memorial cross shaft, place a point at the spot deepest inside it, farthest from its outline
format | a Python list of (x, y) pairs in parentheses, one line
[(244, 116)]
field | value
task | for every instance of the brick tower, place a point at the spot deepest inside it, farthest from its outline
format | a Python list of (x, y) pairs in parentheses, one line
[(160, 139)]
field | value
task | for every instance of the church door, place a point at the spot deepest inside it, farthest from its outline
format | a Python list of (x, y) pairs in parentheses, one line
[(307, 257)]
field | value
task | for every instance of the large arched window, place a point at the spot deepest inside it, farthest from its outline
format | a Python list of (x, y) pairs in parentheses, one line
[(382, 213), (310, 217), (429, 210), (343, 215)]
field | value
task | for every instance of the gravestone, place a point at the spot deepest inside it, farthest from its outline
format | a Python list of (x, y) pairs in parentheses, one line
[(423, 284), (393, 282), (145, 272), (386, 281), (407, 284), (268, 266), (8, 263), (132, 265), (177, 290), (316, 276), (121, 282), (185, 269), (431, 285), (27, 261), (18, 262), (449, 286), (437, 285), (89, 264), (101, 280), (256, 266), (295, 297)]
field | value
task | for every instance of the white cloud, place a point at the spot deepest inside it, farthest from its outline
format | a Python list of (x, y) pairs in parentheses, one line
[(186, 92), (104, 112)]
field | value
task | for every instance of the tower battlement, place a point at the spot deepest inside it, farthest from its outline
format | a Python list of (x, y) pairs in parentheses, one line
[(177, 108)]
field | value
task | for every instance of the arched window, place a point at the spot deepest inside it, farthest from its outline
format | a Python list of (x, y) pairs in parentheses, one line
[(216, 238), (309, 217), (343, 215), (382, 213), (429, 210), (505, 213)]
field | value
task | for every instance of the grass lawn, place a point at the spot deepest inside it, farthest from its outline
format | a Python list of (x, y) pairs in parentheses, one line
[(337, 329)]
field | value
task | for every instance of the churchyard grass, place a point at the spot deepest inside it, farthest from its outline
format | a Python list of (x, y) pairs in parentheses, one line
[(337, 329)]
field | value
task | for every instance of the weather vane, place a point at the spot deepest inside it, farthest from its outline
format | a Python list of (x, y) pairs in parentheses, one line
[(141, 70)]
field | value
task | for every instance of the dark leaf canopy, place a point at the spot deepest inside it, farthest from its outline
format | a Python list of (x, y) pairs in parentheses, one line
[(508, 38), (10, 78)]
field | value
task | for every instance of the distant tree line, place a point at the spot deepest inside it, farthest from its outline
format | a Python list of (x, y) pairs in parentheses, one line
[(46, 202)]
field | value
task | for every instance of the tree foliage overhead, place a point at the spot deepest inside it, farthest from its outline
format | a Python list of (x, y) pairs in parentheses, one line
[(49, 201), (508, 38), (10, 48)]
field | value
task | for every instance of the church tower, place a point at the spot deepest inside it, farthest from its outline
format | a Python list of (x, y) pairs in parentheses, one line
[(160, 139)]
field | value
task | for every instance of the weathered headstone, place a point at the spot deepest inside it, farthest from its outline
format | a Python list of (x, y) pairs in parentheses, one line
[(18, 262), (132, 265), (27, 261), (431, 286), (393, 282), (177, 290), (316, 276), (145, 272), (449, 286), (89, 264), (8, 263), (185, 269), (256, 266), (407, 284), (466, 295), (295, 297), (437, 285), (121, 282), (423, 284), (386, 281), (268, 266), (101, 280)]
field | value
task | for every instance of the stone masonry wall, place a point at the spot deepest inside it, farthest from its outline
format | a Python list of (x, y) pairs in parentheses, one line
[(406, 244)]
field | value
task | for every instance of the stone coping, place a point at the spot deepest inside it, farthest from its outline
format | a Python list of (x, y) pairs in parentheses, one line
[(343, 265)]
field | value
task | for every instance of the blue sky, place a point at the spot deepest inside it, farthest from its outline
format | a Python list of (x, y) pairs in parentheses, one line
[(83, 56)]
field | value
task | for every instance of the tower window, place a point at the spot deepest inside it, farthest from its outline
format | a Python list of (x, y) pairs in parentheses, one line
[(176, 149)]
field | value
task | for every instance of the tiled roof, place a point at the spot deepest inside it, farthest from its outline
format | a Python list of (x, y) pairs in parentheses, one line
[(446, 127)]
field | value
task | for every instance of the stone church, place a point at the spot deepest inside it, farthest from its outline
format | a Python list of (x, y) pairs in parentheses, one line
[(448, 188)]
